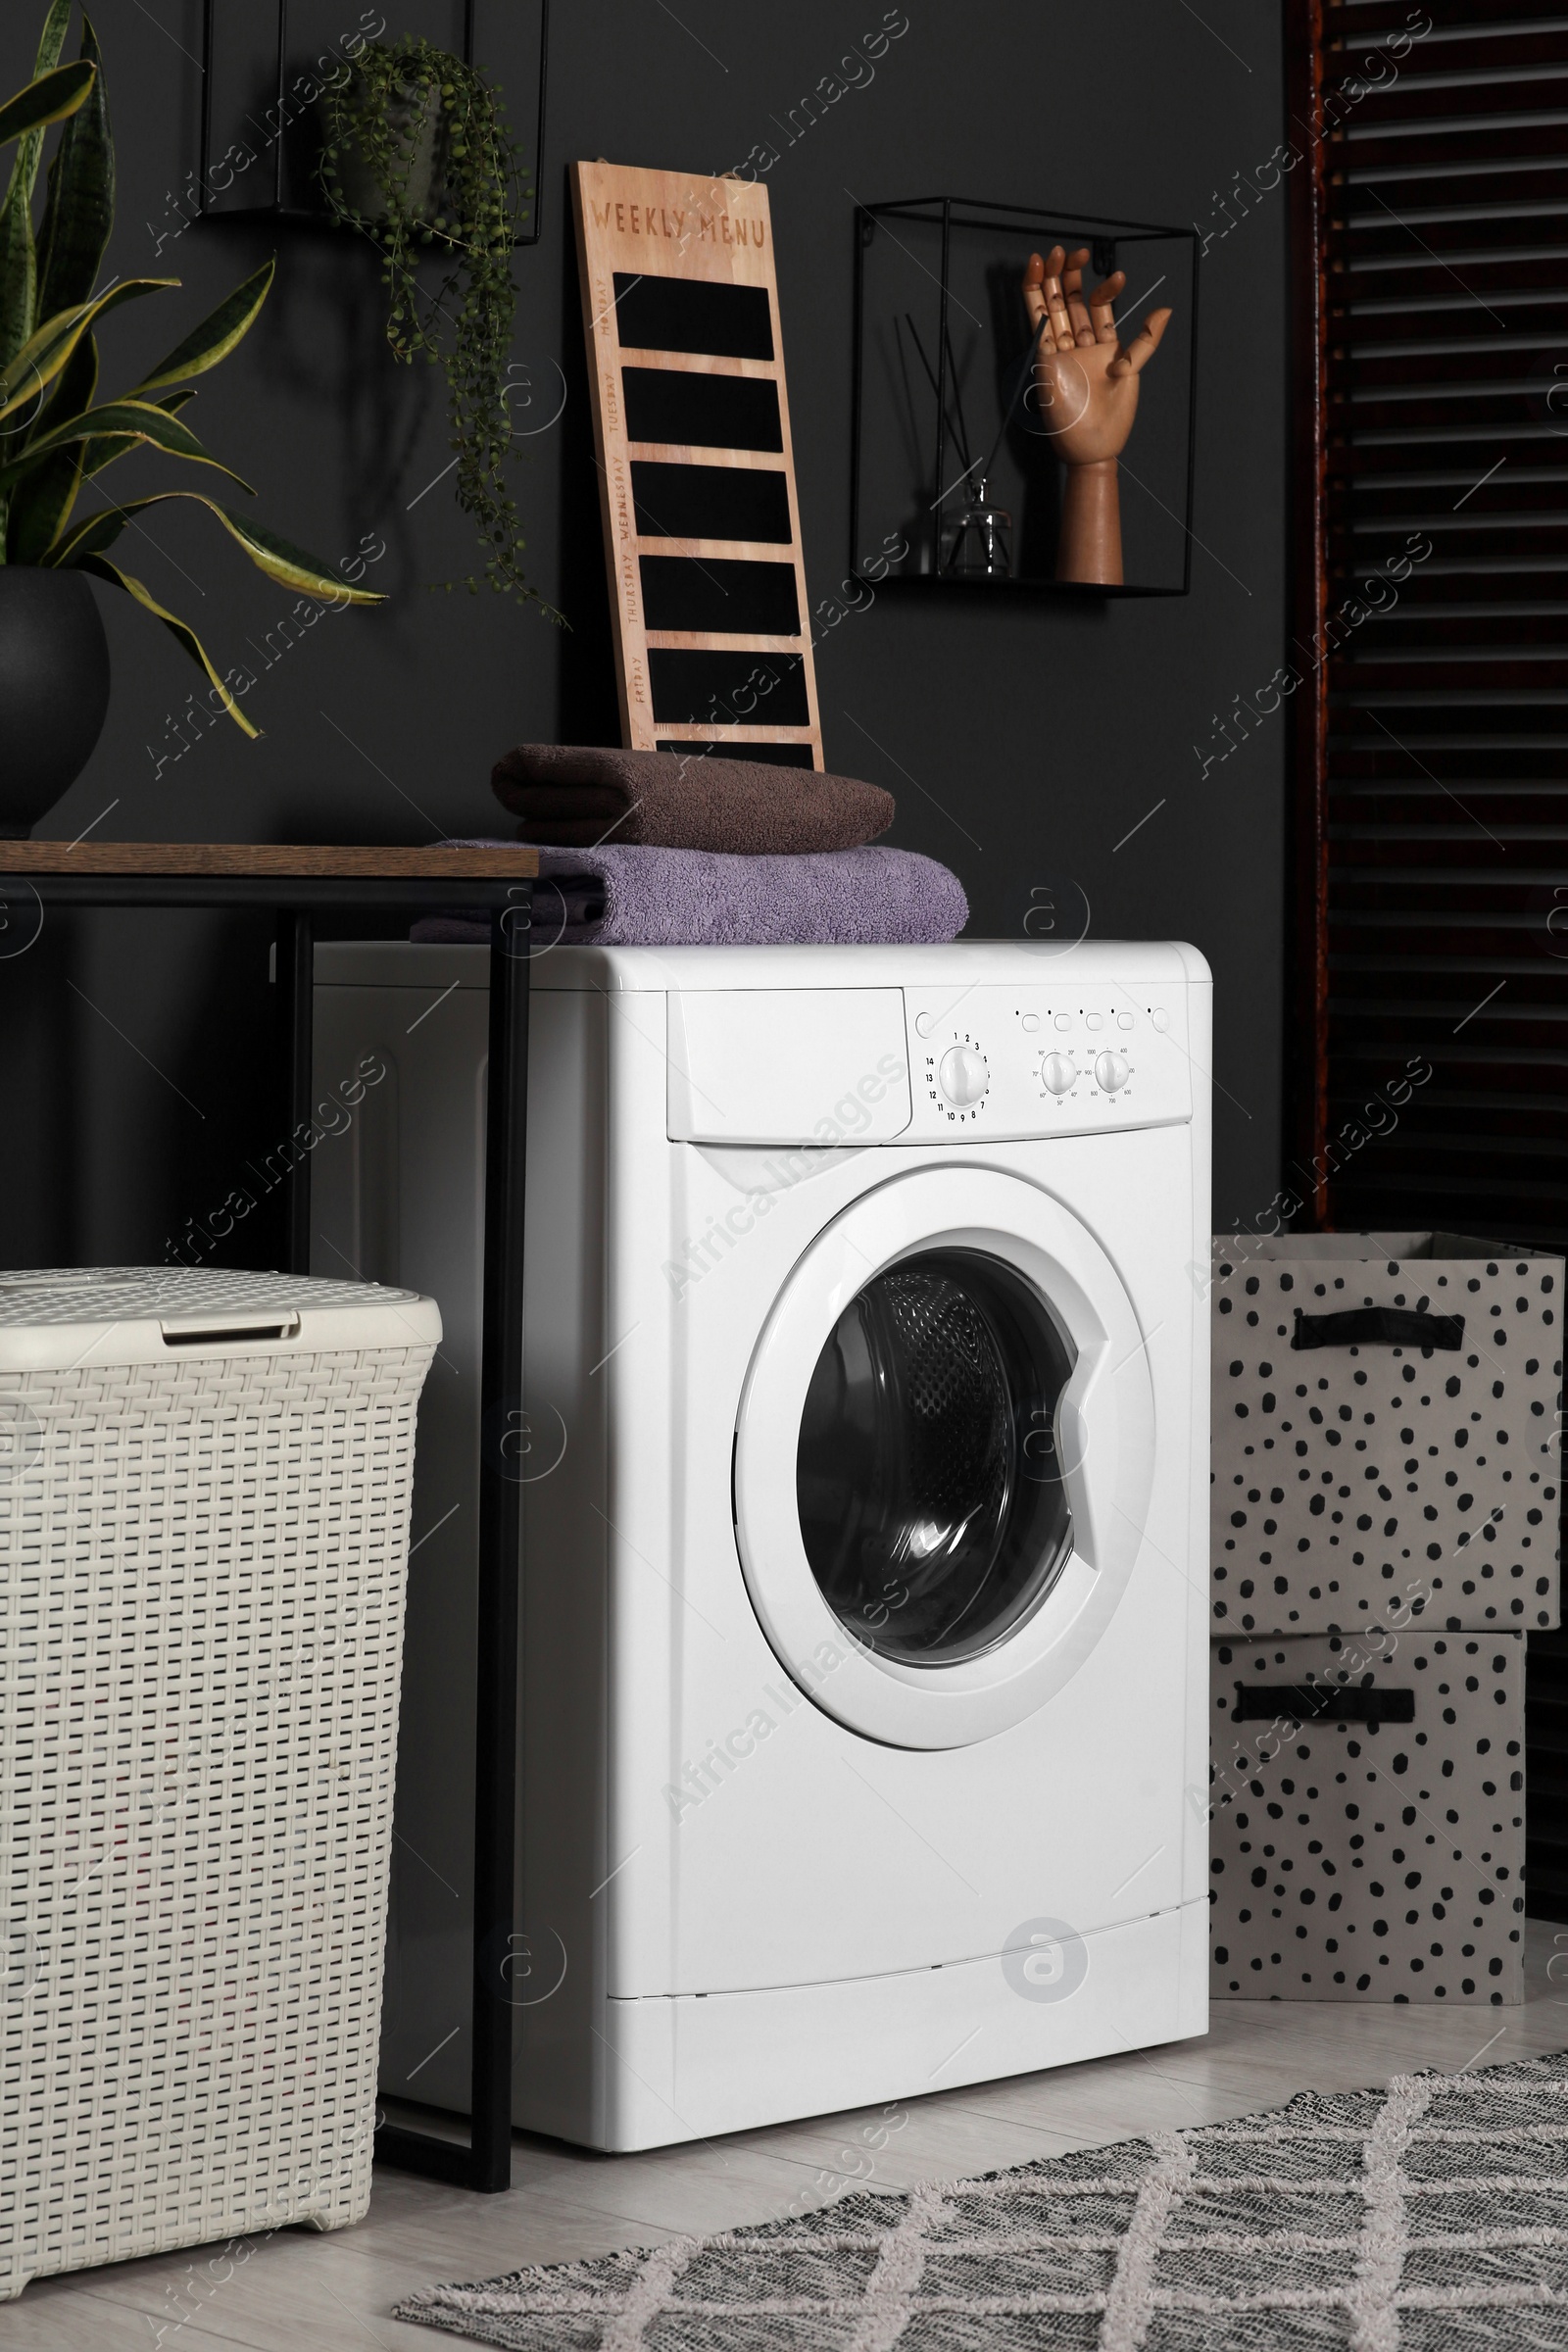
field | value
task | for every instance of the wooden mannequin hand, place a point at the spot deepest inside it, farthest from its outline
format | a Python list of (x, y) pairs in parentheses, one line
[(1086, 398), (1086, 378)]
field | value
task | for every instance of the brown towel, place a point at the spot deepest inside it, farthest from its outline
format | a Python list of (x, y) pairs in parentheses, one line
[(581, 796)]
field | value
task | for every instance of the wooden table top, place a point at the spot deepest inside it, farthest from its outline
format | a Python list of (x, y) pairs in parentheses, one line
[(268, 858)]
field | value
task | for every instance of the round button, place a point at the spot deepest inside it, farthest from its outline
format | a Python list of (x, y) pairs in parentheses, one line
[(1092, 1020), (1161, 1018), (1030, 1023), (1064, 1020), (1124, 1020), (965, 1075), (1110, 1072), (1058, 1073), (924, 1024)]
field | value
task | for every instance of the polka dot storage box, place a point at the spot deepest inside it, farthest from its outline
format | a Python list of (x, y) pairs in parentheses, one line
[(1385, 1532), (1386, 1433), (1367, 1818), (204, 1525)]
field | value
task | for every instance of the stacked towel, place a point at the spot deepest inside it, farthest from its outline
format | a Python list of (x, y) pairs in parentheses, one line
[(581, 795), (685, 849), (642, 897)]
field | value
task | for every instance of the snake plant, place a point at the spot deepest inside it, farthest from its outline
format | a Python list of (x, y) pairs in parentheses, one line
[(56, 435)]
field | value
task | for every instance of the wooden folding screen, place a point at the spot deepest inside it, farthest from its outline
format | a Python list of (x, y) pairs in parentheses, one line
[(692, 434), (1428, 172)]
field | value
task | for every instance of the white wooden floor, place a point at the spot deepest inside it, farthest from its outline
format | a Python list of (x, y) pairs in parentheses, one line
[(307, 2293)]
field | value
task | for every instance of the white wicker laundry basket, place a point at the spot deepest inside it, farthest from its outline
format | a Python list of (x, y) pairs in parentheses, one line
[(204, 1529)]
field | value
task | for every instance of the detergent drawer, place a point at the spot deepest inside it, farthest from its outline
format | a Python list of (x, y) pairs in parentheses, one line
[(798, 1066)]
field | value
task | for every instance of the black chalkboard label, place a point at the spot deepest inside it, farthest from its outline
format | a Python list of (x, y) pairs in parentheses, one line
[(702, 412), (693, 313), (722, 596), (710, 502), (727, 688), (773, 755)]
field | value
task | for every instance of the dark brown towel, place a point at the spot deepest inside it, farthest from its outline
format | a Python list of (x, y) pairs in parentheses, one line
[(581, 796)]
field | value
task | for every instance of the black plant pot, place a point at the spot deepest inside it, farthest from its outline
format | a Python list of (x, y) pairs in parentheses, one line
[(54, 689)]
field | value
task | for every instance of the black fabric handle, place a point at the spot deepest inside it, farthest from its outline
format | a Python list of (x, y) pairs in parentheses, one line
[(1378, 1327), (1321, 1702)]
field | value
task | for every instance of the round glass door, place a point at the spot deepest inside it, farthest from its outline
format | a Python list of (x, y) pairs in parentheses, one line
[(932, 1504)]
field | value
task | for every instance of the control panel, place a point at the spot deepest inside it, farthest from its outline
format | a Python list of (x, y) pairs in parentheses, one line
[(1047, 1060)]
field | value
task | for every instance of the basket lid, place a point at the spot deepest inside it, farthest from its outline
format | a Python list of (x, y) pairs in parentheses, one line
[(56, 1317)]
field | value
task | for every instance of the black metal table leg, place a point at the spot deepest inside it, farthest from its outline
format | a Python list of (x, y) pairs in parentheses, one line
[(296, 1004), (500, 1462), (486, 2162)]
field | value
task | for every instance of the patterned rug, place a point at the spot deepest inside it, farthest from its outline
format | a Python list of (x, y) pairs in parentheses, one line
[(1432, 2216)]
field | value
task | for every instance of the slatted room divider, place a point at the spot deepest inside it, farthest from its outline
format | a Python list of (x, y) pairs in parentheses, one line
[(1428, 170)]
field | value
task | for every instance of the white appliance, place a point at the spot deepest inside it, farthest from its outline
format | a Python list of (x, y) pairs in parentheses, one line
[(865, 1437)]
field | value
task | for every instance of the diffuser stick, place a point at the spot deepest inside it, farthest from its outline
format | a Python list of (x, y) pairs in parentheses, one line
[(957, 430)]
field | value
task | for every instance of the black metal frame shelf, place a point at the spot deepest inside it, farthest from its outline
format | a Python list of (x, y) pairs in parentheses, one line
[(317, 216), (1099, 231)]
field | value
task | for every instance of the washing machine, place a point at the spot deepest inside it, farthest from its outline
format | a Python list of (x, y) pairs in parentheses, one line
[(864, 1453)]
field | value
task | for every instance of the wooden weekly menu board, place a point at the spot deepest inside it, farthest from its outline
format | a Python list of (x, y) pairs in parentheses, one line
[(692, 431)]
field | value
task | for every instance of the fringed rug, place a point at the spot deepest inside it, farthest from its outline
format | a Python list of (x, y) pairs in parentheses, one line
[(1432, 2216)]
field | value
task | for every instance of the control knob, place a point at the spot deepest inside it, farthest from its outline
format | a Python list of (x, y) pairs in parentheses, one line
[(1110, 1072), (1058, 1073), (965, 1075)]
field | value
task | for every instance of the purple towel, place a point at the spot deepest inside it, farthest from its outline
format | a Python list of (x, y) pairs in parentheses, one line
[(624, 897)]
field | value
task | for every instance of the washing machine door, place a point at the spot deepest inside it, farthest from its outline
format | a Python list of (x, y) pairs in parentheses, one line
[(944, 1457)]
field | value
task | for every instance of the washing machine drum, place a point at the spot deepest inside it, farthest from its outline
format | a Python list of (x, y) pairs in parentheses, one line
[(944, 1457), (932, 1505)]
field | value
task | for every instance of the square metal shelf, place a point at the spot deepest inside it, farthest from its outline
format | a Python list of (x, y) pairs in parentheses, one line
[(943, 375), (257, 103)]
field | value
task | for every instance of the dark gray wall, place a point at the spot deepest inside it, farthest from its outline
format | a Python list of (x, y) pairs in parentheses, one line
[(132, 1047)]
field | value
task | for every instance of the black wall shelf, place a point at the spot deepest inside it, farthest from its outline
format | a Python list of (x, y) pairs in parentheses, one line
[(263, 66), (942, 366)]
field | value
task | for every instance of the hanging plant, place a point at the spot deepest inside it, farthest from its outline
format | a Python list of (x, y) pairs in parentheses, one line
[(418, 157)]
